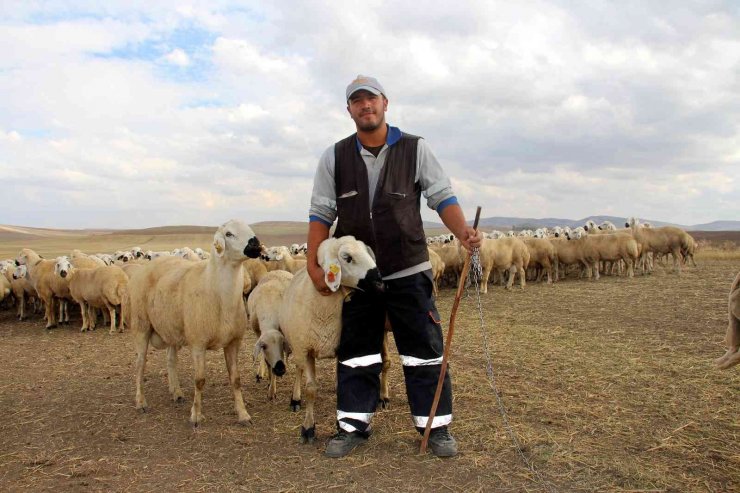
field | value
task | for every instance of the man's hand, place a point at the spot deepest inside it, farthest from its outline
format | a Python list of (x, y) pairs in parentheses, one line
[(452, 216), (470, 238), (316, 273)]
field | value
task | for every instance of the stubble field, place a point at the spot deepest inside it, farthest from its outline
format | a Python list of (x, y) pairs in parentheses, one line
[(608, 386)]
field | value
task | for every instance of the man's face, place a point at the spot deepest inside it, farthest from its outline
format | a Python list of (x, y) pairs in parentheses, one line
[(367, 110)]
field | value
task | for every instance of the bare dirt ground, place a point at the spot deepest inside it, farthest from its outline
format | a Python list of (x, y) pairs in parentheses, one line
[(608, 385)]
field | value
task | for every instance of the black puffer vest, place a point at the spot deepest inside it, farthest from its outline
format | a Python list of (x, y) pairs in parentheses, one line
[(393, 229)]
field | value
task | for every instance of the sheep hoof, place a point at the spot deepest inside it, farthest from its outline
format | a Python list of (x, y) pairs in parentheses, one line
[(308, 435), (385, 403), (295, 406), (258, 378), (178, 399), (142, 409), (245, 421)]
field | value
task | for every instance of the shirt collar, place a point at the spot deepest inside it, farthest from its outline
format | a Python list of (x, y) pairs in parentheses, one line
[(393, 136)]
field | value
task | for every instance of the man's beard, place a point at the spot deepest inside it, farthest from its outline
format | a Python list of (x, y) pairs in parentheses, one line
[(369, 126)]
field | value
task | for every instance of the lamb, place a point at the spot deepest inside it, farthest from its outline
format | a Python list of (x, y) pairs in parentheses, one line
[(102, 287), (263, 308), (732, 338), (311, 322), (175, 303), (285, 261)]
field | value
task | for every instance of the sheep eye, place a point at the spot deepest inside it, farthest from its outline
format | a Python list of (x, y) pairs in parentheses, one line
[(348, 259), (229, 234)]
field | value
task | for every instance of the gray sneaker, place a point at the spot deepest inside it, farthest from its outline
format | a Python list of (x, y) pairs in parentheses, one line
[(343, 443), (443, 444)]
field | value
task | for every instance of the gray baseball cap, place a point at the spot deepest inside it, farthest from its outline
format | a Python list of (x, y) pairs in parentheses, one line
[(363, 82)]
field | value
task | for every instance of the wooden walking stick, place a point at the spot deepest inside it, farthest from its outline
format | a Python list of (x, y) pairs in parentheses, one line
[(448, 343)]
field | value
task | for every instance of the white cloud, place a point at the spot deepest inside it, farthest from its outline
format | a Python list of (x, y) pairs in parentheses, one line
[(163, 113), (178, 57)]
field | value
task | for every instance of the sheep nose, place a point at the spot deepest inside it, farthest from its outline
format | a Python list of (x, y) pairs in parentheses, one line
[(17, 263), (626, 225), (253, 248), (279, 368), (372, 282), (63, 273)]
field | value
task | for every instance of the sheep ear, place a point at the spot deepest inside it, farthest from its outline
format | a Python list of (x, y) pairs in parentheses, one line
[(332, 274), (219, 244), (371, 253)]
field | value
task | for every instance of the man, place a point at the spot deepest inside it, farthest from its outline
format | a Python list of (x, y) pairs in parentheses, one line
[(372, 183)]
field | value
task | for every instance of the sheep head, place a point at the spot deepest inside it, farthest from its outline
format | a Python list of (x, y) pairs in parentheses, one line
[(26, 256), (20, 272), (234, 240), (631, 222), (275, 253), (63, 267), (274, 346), (349, 262)]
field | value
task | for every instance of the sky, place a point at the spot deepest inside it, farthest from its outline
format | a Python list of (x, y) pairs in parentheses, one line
[(136, 114)]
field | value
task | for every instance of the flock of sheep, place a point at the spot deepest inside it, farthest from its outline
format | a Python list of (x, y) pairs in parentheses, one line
[(207, 300), (592, 250)]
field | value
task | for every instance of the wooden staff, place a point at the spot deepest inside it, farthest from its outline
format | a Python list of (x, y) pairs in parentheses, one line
[(448, 342)]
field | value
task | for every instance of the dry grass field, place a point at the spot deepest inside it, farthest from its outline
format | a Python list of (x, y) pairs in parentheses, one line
[(608, 385)]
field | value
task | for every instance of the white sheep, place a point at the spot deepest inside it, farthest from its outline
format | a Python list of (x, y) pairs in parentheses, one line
[(285, 261), (438, 268), (22, 289), (175, 303), (732, 337), (312, 323), (667, 239), (102, 288), (41, 275), (263, 308)]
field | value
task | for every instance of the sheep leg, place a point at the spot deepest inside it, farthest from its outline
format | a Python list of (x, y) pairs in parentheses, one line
[(295, 397), (51, 320), (512, 274), (263, 371), (231, 354), (21, 306), (272, 387), (172, 377), (66, 311), (199, 367), (596, 270), (308, 430), (112, 312), (141, 343), (85, 316), (676, 263), (522, 276), (732, 339)]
